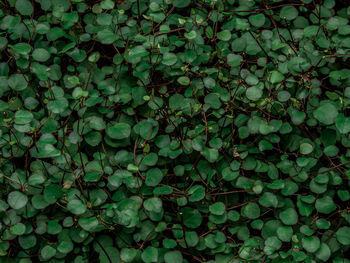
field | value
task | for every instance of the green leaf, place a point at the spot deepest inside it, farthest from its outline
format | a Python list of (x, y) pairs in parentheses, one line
[(217, 208), (137, 52), (150, 159), (128, 254), (285, 233), (229, 175), (88, 223), (107, 4), (169, 59), (271, 245), (150, 254), (197, 193), (234, 60), (268, 200), (24, 7), (57, 106), (173, 257), (326, 113), (65, 247), (109, 254), (306, 148), (93, 138), (325, 205), (115, 180), (107, 37), (97, 123), (191, 217), (185, 81), (288, 12), (76, 207), (212, 100), (224, 35), (251, 210), (311, 244), (94, 57), (17, 200), (254, 93), (52, 193), (27, 241), (48, 151), (22, 48), (41, 54), (3, 43), (23, 117), (48, 252), (181, 3), (18, 229), (192, 238), (289, 216), (331, 150), (342, 123), (343, 235), (338, 75), (297, 117), (17, 82), (210, 154), (323, 253), (153, 177), (257, 20), (191, 35), (119, 131), (153, 204), (276, 77)]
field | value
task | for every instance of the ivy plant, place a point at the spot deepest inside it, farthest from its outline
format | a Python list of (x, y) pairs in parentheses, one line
[(174, 131)]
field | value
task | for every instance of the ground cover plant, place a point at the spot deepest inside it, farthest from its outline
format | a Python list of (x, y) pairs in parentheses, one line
[(174, 131)]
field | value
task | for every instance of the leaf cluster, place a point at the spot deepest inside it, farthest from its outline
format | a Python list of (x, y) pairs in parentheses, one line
[(174, 131)]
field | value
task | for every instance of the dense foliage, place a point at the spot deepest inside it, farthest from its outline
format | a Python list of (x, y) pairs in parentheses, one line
[(174, 131)]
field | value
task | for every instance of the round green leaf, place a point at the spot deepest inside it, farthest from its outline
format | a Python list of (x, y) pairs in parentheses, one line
[(24, 7), (288, 12), (17, 82), (326, 113), (153, 204), (153, 177), (217, 208), (191, 217), (183, 80), (306, 148), (48, 252), (173, 257), (323, 253), (41, 54), (289, 216), (234, 60), (119, 131), (17, 200), (76, 207), (18, 229), (311, 244), (257, 20), (325, 205), (251, 210), (343, 235), (268, 200), (169, 59), (254, 93), (150, 254), (276, 77), (23, 117), (224, 35)]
